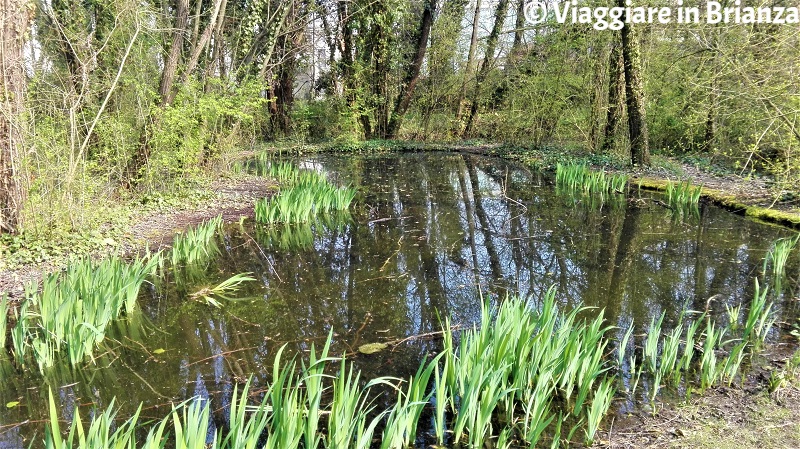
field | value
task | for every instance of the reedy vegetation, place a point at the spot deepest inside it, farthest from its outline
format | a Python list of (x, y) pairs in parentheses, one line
[(196, 245), (778, 256), (509, 369), (578, 178), (521, 376), (73, 308), (672, 358), (305, 195), (683, 198)]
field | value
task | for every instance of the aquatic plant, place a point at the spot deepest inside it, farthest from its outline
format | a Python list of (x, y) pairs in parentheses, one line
[(440, 395), (520, 374), (401, 423), (710, 369), (350, 407), (778, 256), (306, 197), (301, 203), (651, 354), (72, 310), (523, 357), (683, 196), (313, 376), (196, 245), (224, 290), (103, 431), (598, 409), (579, 178), (245, 423), (760, 318)]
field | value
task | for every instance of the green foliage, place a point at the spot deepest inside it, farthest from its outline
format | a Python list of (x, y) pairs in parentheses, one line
[(318, 121), (778, 256), (74, 308), (197, 245), (197, 129), (223, 290), (683, 197), (309, 195), (578, 178), (521, 374)]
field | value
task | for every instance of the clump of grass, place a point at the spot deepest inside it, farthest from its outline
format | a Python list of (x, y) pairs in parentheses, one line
[(72, 310), (683, 197), (302, 202), (778, 256), (760, 318), (579, 178), (523, 359), (287, 175), (519, 375), (196, 245), (598, 409), (669, 358)]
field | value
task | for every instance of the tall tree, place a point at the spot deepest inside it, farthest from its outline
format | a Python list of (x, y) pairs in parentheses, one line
[(634, 95), (488, 61), (616, 83), (412, 73), (15, 17), (469, 69), (165, 91)]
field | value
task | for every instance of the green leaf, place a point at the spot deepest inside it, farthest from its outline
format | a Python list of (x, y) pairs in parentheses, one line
[(159, 351), (12, 404)]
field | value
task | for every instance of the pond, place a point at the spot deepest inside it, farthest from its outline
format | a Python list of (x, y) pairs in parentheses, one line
[(430, 235)]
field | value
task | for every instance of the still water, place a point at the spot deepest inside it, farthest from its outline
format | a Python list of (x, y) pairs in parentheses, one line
[(430, 236)]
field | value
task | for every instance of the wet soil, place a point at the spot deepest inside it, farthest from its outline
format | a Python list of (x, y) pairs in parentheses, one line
[(747, 414)]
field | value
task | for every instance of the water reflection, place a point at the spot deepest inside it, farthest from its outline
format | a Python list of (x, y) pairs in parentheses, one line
[(431, 234)]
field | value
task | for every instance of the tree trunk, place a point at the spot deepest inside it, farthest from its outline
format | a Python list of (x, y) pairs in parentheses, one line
[(710, 132), (519, 25), (488, 61), (634, 95), (200, 45), (14, 20), (616, 81), (290, 44), (165, 90), (412, 75), (470, 68)]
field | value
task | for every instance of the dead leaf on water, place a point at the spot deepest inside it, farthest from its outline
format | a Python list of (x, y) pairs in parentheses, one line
[(372, 348)]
